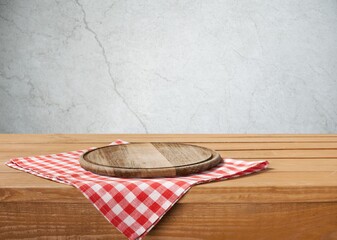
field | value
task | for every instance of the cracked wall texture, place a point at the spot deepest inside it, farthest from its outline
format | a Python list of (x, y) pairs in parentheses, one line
[(202, 66)]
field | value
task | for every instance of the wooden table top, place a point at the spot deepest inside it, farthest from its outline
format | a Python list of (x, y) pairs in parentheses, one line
[(303, 168)]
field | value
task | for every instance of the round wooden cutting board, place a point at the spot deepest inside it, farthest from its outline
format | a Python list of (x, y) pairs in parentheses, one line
[(147, 160)]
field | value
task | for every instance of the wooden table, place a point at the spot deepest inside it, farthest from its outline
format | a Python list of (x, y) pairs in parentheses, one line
[(295, 199)]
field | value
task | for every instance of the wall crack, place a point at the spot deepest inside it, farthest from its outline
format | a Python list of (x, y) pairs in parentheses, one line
[(89, 29)]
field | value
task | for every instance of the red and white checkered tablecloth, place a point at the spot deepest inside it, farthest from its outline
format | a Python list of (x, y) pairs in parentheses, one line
[(133, 206)]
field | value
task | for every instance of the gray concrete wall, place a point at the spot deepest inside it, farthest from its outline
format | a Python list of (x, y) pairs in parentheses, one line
[(163, 66)]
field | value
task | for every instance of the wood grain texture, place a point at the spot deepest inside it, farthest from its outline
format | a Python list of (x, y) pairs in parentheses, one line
[(295, 199), (147, 160), (184, 221)]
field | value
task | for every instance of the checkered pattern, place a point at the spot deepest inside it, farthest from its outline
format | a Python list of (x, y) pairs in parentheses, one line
[(133, 206)]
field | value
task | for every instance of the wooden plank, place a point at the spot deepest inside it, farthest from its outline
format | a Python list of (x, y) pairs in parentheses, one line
[(21, 179), (249, 221), (263, 187), (57, 147), (54, 221), (277, 164), (106, 138), (183, 221), (269, 146), (279, 154), (240, 154), (268, 178), (303, 165), (196, 195), (5, 169)]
